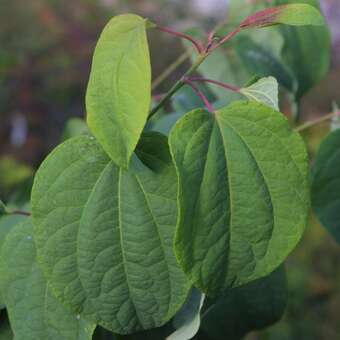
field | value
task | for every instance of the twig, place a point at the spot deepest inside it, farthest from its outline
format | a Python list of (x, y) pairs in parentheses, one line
[(200, 94), (178, 85), (216, 82), (307, 125), (199, 47)]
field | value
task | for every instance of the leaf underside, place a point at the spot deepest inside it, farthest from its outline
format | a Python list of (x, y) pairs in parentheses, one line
[(243, 194)]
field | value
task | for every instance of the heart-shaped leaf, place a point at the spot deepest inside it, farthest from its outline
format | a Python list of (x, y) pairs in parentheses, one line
[(243, 193), (105, 234)]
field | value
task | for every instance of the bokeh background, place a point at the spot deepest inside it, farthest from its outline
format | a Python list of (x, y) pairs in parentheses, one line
[(45, 54)]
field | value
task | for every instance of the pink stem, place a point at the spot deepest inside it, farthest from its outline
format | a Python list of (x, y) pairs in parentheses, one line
[(199, 47), (228, 37), (200, 94), (219, 83)]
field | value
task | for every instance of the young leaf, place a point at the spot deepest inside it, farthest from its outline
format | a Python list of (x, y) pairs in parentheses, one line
[(243, 194), (265, 90), (326, 184), (34, 312), (292, 14), (254, 306), (105, 234), (308, 67), (187, 320), (119, 91)]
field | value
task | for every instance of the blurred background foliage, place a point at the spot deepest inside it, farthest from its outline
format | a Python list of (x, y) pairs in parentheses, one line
[(45, 55)]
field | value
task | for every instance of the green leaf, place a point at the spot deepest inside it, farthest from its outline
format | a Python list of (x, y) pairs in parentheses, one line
[(299, 49), (74, 127), (119, 91), (265, 91), (290, 14), (251, 307), (33, 310), (105, 234), (243, 194), (261, 55), (326, 184), (6, 224), (187, 320)]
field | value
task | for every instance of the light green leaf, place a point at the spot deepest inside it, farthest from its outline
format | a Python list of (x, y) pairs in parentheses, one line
[(265, 91), (290, 14), (243, 194), (105, 234), (299, 49), (326, 184), (187, 320), (119, 91), (34, 312), (254, 306)]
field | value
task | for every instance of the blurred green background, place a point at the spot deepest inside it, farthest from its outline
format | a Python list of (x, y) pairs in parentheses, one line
[(45, 56)]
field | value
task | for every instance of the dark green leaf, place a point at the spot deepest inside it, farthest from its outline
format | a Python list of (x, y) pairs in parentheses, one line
[(261, 55), (326, 184), (251, 307), (3, 209)]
